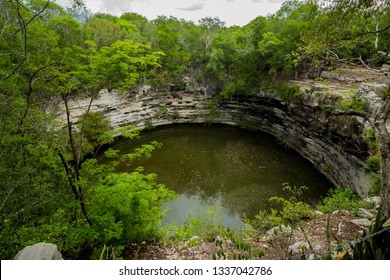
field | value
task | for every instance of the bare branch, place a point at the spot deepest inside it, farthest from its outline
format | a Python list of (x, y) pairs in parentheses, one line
[(23, 29), (368, 33)]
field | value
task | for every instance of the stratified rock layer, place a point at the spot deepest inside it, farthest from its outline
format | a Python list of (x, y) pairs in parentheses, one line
[(334, 144)]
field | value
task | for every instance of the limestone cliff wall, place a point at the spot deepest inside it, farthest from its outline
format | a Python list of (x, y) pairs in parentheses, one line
[(333, 144)]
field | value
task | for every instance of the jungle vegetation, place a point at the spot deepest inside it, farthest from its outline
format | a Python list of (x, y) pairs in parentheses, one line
[(51, 191)]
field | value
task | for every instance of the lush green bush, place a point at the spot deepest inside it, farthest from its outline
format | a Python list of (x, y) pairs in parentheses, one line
[(376, 185), (124, 208), (356, 104), (206, 226), (265, 220), (290, 93), (373, 164), (290, 211), (340, 198), (293, 210)]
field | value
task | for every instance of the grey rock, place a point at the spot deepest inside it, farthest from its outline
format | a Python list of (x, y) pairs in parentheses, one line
[(271, 233), (330, 75), (40, 251), (298, 247), (385, 68), (318, 88), (375, 200), (319, 213), (365, 223), (145, 89), (301, 128), (364, 213), (279, 229), (195, 237), (314, 257)]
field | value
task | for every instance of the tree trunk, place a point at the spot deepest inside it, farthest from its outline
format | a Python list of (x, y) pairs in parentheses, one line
[(75, 177), (377, 35)]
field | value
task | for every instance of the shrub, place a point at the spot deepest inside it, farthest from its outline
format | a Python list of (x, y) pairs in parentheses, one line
[(288, 93), (265, 220), (376, 185), (340, 198), (373, 164), (356, 104), (205, 226), (94, 126), (291, 210)]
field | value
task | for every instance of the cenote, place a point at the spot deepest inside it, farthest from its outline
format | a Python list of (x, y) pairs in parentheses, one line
[(229, 170)]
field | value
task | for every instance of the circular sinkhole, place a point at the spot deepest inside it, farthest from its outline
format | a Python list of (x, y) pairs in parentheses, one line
[(226, 169)]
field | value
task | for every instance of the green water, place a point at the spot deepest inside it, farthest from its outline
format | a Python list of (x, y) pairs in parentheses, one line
[(231, 170)]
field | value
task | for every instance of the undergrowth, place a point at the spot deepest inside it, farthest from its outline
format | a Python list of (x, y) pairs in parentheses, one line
[(238, 244)]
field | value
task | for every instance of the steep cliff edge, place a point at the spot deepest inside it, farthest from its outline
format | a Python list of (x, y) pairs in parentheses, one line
[(302, 121)]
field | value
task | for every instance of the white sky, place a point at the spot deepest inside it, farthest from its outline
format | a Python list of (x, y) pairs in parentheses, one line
[(232, 12)]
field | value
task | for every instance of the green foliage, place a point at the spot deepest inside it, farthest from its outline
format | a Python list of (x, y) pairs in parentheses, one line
[(290, 92), (229, 90), (340, 198), (94, 127), (370, 139), (373, 164), (289, 211), (265, 220), (206, 226), (48, 54), (234, 247), (356, 104), (375, 185), (293, 210), (327, 167), (212, 109), (126, 207), (162, 111)]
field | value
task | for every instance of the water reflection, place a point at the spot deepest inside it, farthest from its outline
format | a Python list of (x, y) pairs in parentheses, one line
[(225, 167)]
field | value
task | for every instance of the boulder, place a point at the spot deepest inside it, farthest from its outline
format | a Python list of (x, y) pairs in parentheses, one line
[(330, 75), (375, 200), (364, 213), (271, 233), (385, 68), (279, 229), (40, 251), (364, 223), (298, 247)]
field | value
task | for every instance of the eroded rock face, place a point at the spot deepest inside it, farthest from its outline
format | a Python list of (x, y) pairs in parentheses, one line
[(40, 251), (334, 145)]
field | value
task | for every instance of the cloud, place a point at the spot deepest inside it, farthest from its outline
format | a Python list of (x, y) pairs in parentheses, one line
[(193, 7), (114, 7), (258, 1)]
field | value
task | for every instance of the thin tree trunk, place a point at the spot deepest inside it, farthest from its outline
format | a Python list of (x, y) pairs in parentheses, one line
[(377, 35), (71, 139), (76, 177)]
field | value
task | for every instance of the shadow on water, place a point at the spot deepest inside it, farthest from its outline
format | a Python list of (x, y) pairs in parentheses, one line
[(223, 167)]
